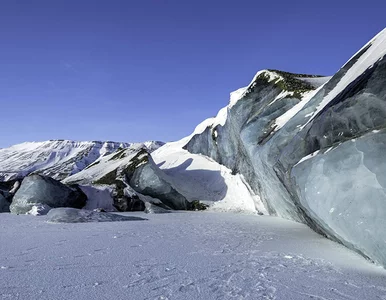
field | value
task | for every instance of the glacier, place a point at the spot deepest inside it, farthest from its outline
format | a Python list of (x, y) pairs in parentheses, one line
[(38, 190), (312, 152), (307, 148)]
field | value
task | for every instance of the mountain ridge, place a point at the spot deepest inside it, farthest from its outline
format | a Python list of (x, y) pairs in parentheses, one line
[(57, 158)]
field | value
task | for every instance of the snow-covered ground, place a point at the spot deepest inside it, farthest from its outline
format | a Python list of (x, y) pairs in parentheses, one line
[(186, 255)]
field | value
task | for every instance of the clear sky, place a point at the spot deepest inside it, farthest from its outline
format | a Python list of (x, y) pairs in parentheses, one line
[(153, 69)]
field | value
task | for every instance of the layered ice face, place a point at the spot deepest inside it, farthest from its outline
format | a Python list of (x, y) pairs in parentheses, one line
[(37, 190), (344, 189), (312, 148)]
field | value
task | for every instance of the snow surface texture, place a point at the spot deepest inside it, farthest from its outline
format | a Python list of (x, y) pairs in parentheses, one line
[(192, 255), (289, 148), (56, 158)]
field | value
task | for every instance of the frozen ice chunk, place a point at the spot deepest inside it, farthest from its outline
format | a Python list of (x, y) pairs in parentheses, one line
[(37, 189), (344, 190), (73, 215), (151, 208), (149, 180)]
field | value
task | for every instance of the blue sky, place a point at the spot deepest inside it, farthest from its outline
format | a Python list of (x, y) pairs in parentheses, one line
[(153, 69)]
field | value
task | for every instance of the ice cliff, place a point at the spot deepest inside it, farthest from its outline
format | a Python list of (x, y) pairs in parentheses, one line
[(303, 147), (311, 147)]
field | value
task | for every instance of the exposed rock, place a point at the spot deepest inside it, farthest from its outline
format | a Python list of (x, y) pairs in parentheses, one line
[(9, 188), (4, 204), (42, 190)]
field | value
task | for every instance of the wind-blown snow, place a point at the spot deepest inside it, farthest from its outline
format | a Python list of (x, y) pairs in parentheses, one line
[(187, 256)]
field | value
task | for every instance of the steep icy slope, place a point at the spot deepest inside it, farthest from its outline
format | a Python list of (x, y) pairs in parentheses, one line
[(252, 118), (55, 158), (199, 177), (315, 156)]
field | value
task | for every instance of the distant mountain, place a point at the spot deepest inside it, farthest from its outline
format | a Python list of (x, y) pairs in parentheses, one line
[(57, 158)]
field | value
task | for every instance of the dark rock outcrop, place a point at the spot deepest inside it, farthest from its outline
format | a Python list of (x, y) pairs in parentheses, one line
[(4, 204)]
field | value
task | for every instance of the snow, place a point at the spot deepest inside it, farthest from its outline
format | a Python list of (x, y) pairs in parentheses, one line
[(192, 255), (237, 95), (316, 82), (240, 93), (104, 165), (39, 210), (98, 197), (309, 156), (222, 115), (198, 177), (200, 128), (376, 51), (57, 158), (289, 114)]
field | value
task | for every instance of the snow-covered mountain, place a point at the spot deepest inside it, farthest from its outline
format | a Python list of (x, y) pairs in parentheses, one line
[(56, 158)]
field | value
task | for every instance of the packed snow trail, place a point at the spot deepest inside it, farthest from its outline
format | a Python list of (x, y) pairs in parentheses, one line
[(188, 255)]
